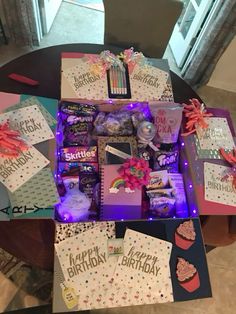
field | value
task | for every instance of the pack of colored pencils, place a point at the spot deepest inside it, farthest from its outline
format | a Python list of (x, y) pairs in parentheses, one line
[(118, 82)]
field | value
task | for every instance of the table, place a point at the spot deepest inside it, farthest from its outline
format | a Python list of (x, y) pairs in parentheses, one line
[(32, 240)]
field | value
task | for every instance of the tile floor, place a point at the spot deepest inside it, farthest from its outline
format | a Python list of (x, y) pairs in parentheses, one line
[(71, 25)]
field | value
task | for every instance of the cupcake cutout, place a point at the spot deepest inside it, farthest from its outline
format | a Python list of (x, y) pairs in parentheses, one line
[(185, 235), (187, 275)]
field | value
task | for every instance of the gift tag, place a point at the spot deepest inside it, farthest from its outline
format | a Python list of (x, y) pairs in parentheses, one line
[(69, 296), (14, 172), (219, 184), (30, 122)]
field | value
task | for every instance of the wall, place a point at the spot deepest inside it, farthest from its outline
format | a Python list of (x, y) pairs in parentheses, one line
[(224, 75)]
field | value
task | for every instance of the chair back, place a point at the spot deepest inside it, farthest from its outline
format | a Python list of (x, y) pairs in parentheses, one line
[(146, 25)]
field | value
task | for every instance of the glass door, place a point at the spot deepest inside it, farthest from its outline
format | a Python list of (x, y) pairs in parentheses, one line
[(188, 27)]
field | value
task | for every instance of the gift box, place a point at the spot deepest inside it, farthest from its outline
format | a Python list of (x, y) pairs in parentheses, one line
[(130, 192)]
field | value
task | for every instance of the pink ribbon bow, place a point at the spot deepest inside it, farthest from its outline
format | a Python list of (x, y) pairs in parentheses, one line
[(195, 113), (135, 173), (10, 142), (231, 159)]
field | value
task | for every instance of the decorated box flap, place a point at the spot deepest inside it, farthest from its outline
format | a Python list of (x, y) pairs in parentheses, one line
[(128, 263), (84, 78), (209, 173), (30, 121)]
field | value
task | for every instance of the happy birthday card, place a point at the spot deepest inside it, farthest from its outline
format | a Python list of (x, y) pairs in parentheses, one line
[(84, 82), (219, 184), (85, 262), (148, 83), (145, 265)]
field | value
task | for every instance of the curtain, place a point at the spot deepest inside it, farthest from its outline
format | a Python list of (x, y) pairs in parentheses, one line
[(219, 36), (20, 18)]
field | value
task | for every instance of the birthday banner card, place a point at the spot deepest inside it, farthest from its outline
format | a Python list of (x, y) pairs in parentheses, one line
[(219, 184)]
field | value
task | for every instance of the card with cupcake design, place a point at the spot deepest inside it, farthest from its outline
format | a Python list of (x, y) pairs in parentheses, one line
[(187, 275), (185, 235), (147, 262)]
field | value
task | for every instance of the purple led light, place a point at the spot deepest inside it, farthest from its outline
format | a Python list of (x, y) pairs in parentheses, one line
[(194, 211), (182, 144), (122, 220), (190, 186), (185, 163), (110, 101), (149, 218)]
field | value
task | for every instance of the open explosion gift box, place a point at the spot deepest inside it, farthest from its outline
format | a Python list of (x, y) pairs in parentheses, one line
[(124, 245), (127, 230)]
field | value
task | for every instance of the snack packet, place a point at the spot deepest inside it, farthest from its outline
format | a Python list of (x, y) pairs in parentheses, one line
[(158, 180), (167, 118)]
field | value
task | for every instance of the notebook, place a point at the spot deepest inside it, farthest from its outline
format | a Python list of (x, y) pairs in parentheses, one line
[(116, 201)]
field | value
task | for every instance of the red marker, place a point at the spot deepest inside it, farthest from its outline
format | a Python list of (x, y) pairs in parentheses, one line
[(23, 79)]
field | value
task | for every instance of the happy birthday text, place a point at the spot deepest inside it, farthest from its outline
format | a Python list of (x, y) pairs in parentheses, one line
[(10, 166), (85, 260), (141, 261), (85, 79), (146, 79)]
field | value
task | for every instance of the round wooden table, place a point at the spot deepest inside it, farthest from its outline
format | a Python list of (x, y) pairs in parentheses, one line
[(32, 240)]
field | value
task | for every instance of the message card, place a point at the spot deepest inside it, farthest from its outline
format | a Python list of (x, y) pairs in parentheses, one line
[(144, 267), (14, 172), (218, 184), (148, 83), (217, 135), (30, 122)]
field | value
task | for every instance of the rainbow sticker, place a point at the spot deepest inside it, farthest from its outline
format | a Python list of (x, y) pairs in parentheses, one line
[(116, 184)]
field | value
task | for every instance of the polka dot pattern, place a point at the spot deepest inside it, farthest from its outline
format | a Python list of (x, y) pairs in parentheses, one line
[(38, 192), (101, 288), (141, 89), (96, 90), (136, 275), (34, 101)]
